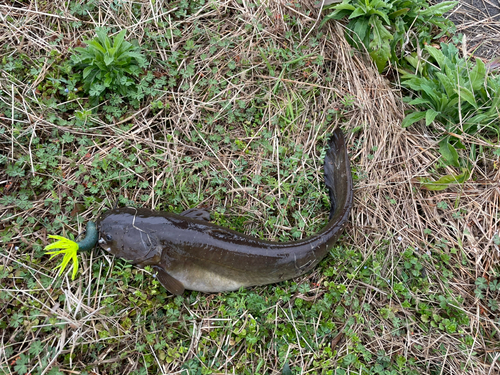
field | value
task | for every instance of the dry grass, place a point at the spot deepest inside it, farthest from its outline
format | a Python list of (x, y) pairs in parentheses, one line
[(391, 210), (479, 21)]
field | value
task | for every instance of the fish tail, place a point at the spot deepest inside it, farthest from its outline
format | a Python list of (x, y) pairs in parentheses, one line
[(338, 177)]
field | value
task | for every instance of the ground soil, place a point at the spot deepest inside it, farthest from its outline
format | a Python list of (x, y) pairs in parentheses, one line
[(479, 21)]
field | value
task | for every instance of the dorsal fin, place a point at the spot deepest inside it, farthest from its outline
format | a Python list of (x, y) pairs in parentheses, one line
[(197, 214)]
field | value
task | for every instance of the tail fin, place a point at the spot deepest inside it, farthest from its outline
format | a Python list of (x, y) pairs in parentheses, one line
[(338, 178)]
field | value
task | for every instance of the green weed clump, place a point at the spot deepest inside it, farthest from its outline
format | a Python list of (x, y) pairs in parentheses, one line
[(108, 65), (383, 27), (455, 92), (458, 94), (449, 91)]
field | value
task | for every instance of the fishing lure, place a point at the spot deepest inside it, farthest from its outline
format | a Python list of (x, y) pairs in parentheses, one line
[(70, 248)]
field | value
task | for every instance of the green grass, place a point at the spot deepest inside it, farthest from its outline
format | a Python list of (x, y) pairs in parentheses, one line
[(289, 320)]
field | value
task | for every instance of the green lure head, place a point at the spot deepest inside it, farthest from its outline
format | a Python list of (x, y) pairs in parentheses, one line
[(70, 248)]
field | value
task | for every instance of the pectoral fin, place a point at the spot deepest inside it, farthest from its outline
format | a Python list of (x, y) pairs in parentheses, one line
[(197, 213), (173, 285)]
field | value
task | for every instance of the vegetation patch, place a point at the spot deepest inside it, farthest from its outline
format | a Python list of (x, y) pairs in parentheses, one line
[(389, 30), (228, 106)]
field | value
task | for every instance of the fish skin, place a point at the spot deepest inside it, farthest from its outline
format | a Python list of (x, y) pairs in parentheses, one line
[(188, 252)]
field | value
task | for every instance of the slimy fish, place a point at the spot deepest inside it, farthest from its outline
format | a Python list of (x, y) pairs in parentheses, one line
[(189, 252)]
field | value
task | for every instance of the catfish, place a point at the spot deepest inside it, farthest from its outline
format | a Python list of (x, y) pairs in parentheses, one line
[(187, 251)]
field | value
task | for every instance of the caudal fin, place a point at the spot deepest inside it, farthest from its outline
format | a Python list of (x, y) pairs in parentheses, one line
[(338, 178)]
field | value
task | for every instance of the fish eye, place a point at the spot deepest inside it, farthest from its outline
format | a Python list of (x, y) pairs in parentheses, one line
[(108, 237)]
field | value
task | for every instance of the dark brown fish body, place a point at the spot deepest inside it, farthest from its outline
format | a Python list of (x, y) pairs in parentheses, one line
[(188, 252)]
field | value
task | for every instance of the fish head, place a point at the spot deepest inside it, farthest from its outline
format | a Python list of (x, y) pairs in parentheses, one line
[(119, 236)]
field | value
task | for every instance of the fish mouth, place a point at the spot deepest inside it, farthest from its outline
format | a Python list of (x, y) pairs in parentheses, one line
[(104, 245)]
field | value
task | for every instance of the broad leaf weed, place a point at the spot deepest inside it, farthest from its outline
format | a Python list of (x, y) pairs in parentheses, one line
[(108, 65)]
